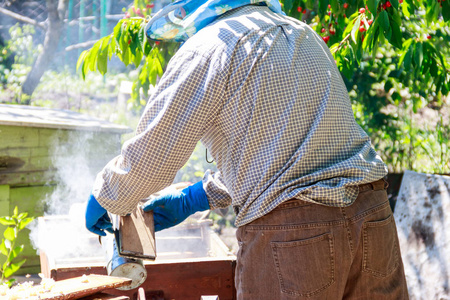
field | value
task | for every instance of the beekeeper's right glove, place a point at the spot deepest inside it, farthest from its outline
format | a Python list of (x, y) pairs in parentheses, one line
[(172, 209), (97, 219)]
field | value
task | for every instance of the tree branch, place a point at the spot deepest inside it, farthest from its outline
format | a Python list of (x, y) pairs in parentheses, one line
[(21, 18), (80, 45)]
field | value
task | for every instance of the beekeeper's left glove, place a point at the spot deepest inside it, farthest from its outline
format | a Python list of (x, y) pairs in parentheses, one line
[(97, 219), (171, 209)]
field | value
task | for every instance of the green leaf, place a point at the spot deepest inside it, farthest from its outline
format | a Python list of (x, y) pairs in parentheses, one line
[(7, 221), (430, 7), (368, 41), (10, 234), (287, 6), (408, 59), (93, 55), (323, 6), (334, 5), (102, 62), (433, 68), (141, 37), (24, 223), (81, 60), (117, 32), (137, 57), (16, 211), (418, 55), (10, 282), (13, 268), (384, 21), (446, 10), (405, 10), (402, 56), (355, 29), (3, 249), (372, 5), (16, 252), (396, 38), (394, 3)]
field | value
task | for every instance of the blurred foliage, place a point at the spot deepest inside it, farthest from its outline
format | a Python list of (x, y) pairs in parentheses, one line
[(16, 59), (8, 247)]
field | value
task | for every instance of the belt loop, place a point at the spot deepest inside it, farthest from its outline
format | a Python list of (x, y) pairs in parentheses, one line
[(386, 183)]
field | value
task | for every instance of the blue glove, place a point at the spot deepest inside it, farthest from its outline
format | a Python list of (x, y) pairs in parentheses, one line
[(172, 209), (97, 219)]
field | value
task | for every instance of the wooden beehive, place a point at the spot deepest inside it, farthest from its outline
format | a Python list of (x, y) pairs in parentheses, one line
[(28, 139)]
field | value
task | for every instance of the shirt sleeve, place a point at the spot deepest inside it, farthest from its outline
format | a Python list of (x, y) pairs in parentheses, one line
[(184, 105), (216, 191)]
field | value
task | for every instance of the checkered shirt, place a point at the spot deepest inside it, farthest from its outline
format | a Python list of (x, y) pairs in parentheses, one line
[(263, 94)]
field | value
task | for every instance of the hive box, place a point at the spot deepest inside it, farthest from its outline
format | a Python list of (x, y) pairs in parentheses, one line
[(34, 143)]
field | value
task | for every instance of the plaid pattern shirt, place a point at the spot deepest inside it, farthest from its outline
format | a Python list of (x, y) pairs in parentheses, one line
[(263, 94)]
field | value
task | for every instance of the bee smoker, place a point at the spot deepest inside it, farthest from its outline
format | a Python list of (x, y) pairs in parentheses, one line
[(119, 266)]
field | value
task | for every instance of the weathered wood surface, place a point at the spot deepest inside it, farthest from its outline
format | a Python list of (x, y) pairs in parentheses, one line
[(75, 288), (30, 116), (137, 235), (422, 214), (178, 279), (30, 156)]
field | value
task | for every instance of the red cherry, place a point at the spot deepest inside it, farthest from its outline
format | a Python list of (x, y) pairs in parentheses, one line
[(332, 32), (429, 37), (157, 43), (129, 41), (400, 1), (329, 13), (299, 9), (345, 16), (362, 28), (138, 11), (388, 4), (361, 23), (362, 38), (383, 6), (329, 6), (326, 39), (370, 22), (127, 15), (323, 30), (304, 11), (345, 5), (362, 10)]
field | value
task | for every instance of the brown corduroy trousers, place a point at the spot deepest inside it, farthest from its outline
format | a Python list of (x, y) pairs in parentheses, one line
[(302, 250)]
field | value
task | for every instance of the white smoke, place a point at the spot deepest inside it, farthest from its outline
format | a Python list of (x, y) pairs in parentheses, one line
[(61, 233)]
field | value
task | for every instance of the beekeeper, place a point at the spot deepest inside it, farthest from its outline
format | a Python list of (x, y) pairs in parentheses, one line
[(263, 94)]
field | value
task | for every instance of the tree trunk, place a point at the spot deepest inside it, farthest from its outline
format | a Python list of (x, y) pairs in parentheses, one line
[(56, 10)]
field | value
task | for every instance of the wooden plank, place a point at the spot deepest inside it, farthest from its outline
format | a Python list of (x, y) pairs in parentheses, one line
[(104, 296), (18, 137), (4, 199), (28, 178), (75, 288), (137, 235)]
